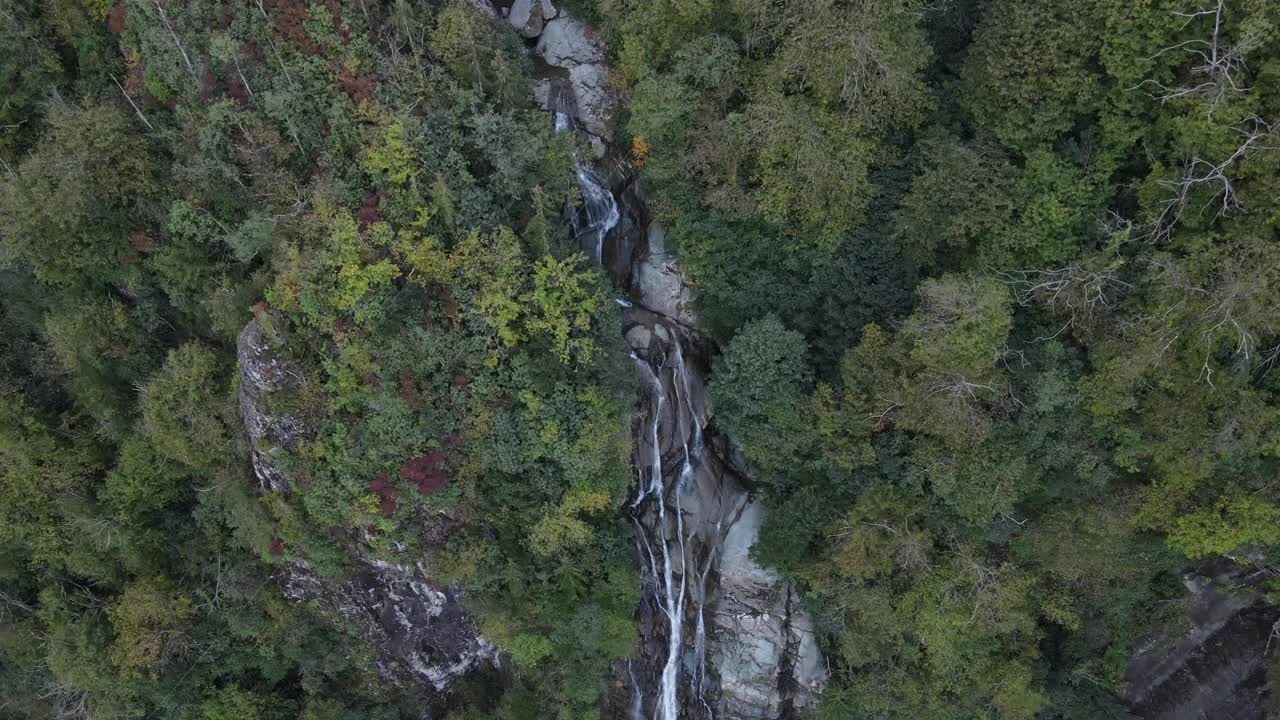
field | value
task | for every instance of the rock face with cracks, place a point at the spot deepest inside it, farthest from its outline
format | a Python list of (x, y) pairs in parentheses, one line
[(265, 370), (421, 631), (1215, 666)]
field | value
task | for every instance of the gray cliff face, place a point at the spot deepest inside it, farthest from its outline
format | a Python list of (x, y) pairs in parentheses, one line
[(421, 632), (1215, 666), (744, 648)]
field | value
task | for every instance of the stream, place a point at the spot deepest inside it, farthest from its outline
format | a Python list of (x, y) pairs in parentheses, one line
[(721, 637)]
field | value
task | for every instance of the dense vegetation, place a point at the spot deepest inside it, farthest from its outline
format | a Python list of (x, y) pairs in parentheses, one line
[(994, 281), (996, 284), (371, 181)]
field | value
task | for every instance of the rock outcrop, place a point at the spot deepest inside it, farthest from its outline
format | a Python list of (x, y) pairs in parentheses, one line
[(765, 649), (659, 284), (570, 45), (527, 17), (421, 632), (1215, 666), (265, 370)]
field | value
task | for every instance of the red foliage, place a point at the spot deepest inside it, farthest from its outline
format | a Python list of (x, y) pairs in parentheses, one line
[(288, 16), (450, 305), (335, 11), (382, 488), (369, 214), (140, 244), (251, 54), (226, 16), (235, 87), (277, 547), (140, 241), (357, 87), (409, 388), (460, 380), (117, 20), (209, 86), (427, 472)]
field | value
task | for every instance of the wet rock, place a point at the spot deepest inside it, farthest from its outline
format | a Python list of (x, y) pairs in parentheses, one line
[(747, 649), (659, 283), (760, 634), (620, 248), (1215, 667), (421, 632), (265, 370)]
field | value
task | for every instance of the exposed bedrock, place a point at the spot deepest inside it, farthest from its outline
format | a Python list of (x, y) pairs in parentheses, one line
[(420, 631), (1214, 666)]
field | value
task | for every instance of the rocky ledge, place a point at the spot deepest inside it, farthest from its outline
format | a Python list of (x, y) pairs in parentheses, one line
[(420, 631), (1214, 666)]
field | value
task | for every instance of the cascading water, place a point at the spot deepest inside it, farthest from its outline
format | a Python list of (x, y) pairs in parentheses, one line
[(599, 212), (687, 508)]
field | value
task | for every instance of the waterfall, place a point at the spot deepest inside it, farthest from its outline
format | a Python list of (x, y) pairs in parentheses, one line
[(696, 662), (599, 212), (670, 599)]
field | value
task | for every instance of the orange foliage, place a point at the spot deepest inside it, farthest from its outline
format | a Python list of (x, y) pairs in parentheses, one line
[(639, 151)]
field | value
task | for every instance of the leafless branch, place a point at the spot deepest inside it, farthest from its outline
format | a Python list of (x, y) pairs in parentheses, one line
[(1076, 290), (1256, 135), (1218, 67), (136, 109), (182, 51)]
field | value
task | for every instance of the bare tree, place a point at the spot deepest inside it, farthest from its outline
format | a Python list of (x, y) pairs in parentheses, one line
[(68, 703), (1077, 291), (164, 18), (1219, 64)]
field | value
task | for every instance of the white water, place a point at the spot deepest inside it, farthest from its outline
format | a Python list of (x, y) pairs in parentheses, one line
[(659, 538), (592, 222), (599, 212), (669, 598)]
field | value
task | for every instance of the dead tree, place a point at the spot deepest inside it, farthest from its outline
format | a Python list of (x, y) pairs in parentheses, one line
[(1218, 64), (1077, 291)]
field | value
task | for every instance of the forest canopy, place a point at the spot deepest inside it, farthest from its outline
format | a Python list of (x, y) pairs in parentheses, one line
[(990, 283)]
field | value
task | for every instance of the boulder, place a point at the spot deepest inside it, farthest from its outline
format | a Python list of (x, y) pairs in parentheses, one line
[(526, 17), (484, 7), (568, 43)]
